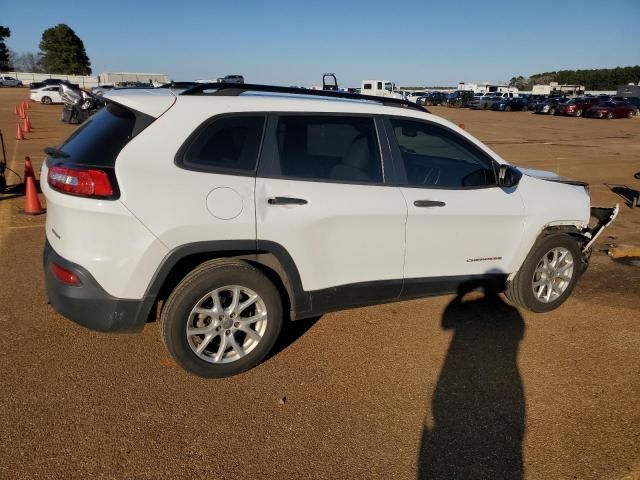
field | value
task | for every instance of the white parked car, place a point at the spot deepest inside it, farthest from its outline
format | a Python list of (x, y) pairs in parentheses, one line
[(413, 96), (239, 209), (6, 81), (47, 95)]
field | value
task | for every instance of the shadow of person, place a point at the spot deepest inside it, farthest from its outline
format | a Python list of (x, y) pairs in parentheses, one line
[(478, 404)]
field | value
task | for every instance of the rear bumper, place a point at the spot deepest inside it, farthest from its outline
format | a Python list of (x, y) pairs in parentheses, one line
[(88, 304)]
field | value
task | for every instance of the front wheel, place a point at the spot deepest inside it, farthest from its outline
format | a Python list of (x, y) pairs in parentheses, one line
[(609, 115), (46, 100), (548, 275), (223, 318)]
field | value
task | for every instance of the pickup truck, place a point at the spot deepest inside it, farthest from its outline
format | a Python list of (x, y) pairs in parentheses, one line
[(6, 81)]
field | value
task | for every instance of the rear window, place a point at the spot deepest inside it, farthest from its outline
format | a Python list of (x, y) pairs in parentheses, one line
[(100, 139)]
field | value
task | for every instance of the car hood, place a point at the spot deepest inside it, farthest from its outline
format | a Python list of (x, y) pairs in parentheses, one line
[(550, 176)]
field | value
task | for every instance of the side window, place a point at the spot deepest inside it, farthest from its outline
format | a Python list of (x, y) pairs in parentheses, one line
[(229, 143), (330, 148), (434, 156), (367, 86), (379, 85)]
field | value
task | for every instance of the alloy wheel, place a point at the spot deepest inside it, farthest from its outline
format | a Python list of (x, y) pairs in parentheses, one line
[(226, 324), (553, 274)]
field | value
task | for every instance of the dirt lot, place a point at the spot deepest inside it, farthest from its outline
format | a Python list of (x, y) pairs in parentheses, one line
[(435, 388)]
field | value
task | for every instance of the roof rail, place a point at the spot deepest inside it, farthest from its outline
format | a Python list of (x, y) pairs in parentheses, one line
[(235, 89)]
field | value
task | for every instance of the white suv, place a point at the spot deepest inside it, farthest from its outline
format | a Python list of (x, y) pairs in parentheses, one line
[(232, 208)]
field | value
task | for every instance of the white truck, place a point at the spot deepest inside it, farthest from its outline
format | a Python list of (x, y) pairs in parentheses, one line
[(380, 88)]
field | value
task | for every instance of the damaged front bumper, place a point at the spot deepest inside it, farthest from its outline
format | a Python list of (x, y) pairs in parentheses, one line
[(605, 216)]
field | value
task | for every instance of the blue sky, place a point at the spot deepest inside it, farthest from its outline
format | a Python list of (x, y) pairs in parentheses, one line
[(293, 42)]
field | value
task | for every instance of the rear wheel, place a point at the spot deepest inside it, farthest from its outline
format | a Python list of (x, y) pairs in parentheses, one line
[(548, 275), (46, 100), (630, 114), (552, 111), (609, 115), (507, 108), (222, 319)]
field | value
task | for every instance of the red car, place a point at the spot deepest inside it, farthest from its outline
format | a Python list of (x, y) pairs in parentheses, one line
[(576, 106), (612, 110)]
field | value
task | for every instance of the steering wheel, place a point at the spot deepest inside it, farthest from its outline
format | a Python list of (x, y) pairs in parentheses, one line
[(432, 177), (406, 150), (475, 178)]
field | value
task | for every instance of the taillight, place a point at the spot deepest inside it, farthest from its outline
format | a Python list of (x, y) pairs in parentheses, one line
[(87, 183), (64, 275)]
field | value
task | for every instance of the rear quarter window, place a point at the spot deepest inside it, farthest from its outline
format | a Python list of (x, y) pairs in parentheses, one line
[(224, 144)]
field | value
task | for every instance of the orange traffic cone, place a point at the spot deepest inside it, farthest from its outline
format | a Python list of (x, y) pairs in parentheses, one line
[(25, 125), (32, 205), (29, 124), (28, 168), (461, 125), (19, 133), (25, 105), (21, 111), (15, 110)]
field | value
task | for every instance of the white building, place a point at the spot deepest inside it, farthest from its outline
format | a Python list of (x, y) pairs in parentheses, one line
[(486, 88), (555, 88), (111, 78)]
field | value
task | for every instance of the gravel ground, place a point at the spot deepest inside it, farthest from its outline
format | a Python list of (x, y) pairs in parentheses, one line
[(438, 388)]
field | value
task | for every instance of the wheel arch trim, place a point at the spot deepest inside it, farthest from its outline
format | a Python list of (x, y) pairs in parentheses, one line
[(267, 254), (568, 227)]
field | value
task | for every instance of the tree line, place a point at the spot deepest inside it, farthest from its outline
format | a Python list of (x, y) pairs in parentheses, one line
[(61, 52), (593, 79)]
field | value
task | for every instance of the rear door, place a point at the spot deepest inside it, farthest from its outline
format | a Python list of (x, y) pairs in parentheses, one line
[(321, 194), (460, 222)]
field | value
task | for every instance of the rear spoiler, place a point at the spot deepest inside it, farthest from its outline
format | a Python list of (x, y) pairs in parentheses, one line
[(150, 101)]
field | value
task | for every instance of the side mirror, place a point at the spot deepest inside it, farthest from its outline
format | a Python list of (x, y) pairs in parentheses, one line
[(508, 176)]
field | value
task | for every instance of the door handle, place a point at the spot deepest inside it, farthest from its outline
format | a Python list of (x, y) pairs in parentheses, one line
[(287, 201), (428, 203)]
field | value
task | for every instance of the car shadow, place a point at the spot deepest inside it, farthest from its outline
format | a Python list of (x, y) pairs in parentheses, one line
[(291, 332), (478, 405), (628, 194)]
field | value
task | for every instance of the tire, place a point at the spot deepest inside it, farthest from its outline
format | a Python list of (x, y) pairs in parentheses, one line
[(507, 108), (630, 115), (197, 290), (520, 290), (578, 113), (552, 111), (45, 100), (609, 115)]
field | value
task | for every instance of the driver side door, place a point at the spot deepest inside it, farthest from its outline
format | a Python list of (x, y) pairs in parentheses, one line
[(460, 222)]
